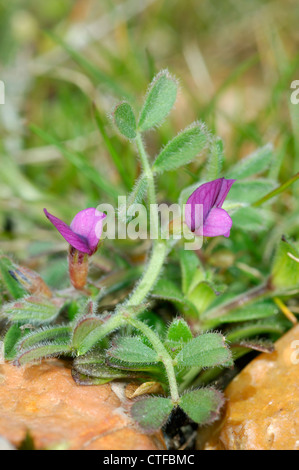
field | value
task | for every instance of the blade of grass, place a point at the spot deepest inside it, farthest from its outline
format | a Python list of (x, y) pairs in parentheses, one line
[(112, 150), (97, 75), (79, 161), (276, 191)]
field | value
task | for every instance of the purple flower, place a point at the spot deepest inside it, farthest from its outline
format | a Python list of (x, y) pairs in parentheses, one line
[(85, 230), (212, 221)]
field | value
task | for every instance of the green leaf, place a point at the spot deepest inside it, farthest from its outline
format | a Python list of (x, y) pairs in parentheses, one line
[(33, 310), (132, 349), (206, 350), (82, 379), (72, 309), (50, 333), (285, 268), (168, 290), (253, 311), (189, 265), (159, 101), (251, 219), (215, 159), (45, 350), (13, 287), (249, 191), (173, 347), (146, 370), (125, 121), (202, 296), (179, 331), (94, 365), (151, 413), (257, 328), (256, 162), (98, 332), (181, 150), (12, 336), (203, 405), (83, 328)]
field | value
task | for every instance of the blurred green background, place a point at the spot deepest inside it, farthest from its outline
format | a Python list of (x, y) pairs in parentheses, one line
[(235, 61)]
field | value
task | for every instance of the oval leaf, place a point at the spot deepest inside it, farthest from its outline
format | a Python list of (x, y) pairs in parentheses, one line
[(45, 350), (33, 310), (58, 333), (159, 101), (182, 149), (179, 331), (125, 120), (203, 405), (207, 350), (151, 413), (132, 349), (255, 163), (84, 327)]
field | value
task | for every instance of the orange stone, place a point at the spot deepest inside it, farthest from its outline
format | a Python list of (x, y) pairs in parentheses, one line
[(44, 400), (262, 411)]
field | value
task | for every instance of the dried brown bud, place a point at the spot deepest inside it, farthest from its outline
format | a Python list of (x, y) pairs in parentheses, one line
[(78, 267)]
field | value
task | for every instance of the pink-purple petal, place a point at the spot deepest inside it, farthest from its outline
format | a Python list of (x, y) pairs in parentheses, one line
[(72, 238), (89, 224), (203, 200), (217, 223), (223, 192), (206, 195), (194, 215)]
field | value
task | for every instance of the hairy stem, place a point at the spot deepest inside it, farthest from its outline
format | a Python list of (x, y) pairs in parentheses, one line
[(151, 274), (163, 355), (151, 185), (152, 271)]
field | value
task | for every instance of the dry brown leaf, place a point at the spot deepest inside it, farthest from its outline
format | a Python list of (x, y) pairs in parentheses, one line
[(134, 390)]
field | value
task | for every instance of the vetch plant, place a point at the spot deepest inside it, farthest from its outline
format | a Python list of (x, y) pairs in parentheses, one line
[(173, 358), (83, 236)]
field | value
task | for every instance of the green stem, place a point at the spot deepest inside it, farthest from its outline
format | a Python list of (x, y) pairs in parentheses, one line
[(151, 274), (99, 332), (142, 290), (159, 250), (163, 355), (147, 168), (151, 185), (276, 191)]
